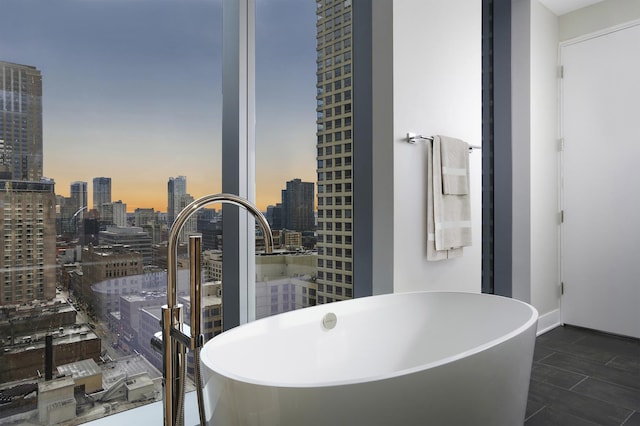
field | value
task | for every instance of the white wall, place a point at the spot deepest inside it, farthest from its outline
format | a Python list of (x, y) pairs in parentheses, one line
[(437, 68), (436, 88), (545, 272)]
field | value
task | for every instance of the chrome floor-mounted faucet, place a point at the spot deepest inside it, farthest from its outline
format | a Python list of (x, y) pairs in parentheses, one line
[(176, 337)]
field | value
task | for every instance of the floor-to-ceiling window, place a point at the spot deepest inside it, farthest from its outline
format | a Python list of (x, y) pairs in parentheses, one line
[(285, 54), (128, 129), (304, 152), (110, 124)]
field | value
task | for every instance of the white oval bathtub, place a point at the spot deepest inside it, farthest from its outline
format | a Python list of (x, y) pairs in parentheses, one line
[(426, 358)]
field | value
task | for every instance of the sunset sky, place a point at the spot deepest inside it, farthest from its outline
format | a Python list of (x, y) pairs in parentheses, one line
[(132, 90)]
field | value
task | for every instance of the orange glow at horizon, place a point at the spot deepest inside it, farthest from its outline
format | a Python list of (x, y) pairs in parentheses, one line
[(150, 190)]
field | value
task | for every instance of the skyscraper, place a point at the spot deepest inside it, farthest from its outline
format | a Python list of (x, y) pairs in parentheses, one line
[(176, 189), (79, 194), (20, 122), (334, 147), (274, 216), (178, 199), (297, 206), (101, 191), (27, 199)]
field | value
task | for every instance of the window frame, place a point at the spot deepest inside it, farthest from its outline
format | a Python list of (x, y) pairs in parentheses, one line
[(238, 159), (238, 155)]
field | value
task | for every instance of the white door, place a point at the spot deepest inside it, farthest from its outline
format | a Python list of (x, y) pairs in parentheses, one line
[(601, 182)]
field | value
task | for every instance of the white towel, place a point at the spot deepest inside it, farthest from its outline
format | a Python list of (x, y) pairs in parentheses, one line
[(432, 253), (454, 157), (451, 213)]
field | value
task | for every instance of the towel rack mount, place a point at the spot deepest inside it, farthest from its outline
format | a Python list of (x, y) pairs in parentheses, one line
[(412, 138)]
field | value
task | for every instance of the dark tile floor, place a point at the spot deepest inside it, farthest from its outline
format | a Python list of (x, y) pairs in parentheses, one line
[(583, 377)]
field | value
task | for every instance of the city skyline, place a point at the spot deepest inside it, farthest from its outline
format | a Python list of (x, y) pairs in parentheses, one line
[(90, 190), (114, 123), (142, 103)]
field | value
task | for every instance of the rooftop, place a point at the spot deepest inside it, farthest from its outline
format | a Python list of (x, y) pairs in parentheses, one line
[(84, 368), (64, 335), (55, 384), (138, 382), (144, 296), (132, 365)]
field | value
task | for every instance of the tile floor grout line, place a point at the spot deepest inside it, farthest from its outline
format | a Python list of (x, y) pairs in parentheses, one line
[(607, 371), (613, 367), (599, 400), (628, 417), (586, 376), (574, 386), (536, 412), (543, 358), (614, 357), (575, 354), (564, 369)]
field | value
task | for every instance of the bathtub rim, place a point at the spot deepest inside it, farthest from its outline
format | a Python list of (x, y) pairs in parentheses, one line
[(529, 323)]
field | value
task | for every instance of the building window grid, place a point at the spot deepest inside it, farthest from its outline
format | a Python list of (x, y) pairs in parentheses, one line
[(338, 37)]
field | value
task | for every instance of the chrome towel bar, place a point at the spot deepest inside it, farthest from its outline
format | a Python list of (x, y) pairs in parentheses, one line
[(413, 138)]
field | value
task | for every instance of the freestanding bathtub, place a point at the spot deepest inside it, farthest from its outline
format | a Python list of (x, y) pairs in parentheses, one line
[(426, 358)]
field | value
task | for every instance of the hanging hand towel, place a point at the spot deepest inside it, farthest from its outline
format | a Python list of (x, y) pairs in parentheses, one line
[(451, 213), (432, 253), (454, 157)]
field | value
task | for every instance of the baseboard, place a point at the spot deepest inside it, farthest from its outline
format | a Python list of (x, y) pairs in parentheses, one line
[(548, 321)]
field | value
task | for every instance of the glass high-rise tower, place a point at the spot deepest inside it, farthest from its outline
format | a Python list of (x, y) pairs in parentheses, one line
[(101, 192), (20, 122), (334, 150), (178, 199), (27, 200), (79, 194)]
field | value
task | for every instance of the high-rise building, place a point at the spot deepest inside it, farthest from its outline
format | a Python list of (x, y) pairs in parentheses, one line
[(114, 213), (28, 212), (79, 193), (176, 190), (101, 191), (79, 204), (334, 148), (20, 122), (297, 206), (178, 199), (274, 216), (28, 252)]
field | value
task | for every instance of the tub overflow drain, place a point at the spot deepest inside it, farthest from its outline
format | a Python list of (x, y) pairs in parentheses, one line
[(329, 320)]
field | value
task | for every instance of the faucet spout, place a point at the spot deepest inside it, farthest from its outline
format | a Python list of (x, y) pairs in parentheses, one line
[(189, 211), (175, 340)]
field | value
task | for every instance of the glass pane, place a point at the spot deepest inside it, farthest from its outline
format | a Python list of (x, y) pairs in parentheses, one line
[(303, 98), (110, 123), (286, 153)]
